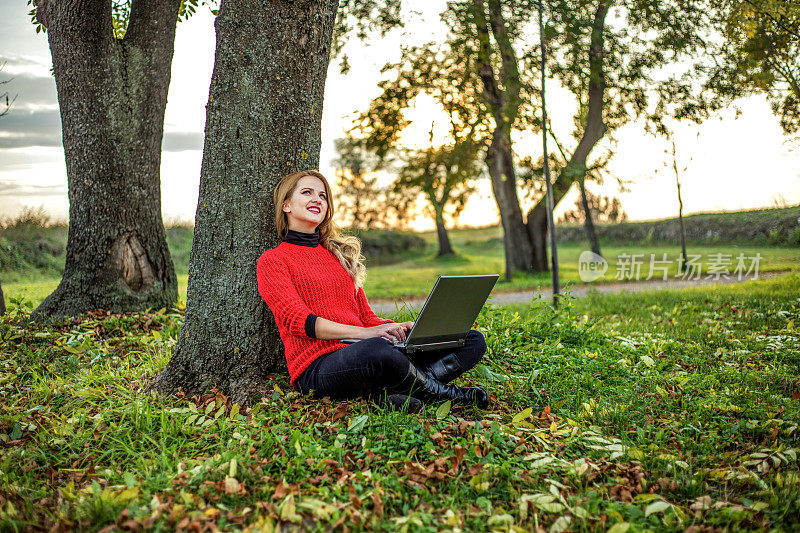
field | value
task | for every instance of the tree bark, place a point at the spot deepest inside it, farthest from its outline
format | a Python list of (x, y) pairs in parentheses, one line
[(588, 223), (445, 248), (593, 131), (262, 122), (112, 95), (2, 301)]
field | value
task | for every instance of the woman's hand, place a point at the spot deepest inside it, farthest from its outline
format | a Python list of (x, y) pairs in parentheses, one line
[(407, 327), (392, 331)]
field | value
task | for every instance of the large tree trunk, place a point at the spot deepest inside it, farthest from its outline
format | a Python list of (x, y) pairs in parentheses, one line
[(588, 223), (112, 95), (516, 243), (262, 122), (445, 248), (593, 131)]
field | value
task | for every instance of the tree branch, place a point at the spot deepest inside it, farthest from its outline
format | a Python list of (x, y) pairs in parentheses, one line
[(509, 73), (491, 92), (773, 19)]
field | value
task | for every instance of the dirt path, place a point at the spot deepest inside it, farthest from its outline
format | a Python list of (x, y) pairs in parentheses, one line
[(387, 307)]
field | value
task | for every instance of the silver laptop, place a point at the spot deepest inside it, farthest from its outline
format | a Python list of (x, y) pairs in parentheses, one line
[(448, 314)]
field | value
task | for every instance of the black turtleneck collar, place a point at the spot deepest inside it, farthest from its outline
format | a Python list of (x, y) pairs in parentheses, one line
[(302, 239)]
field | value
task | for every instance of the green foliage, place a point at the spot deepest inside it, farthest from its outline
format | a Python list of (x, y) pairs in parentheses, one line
[(758, 54), (360, 202), (653, 411), (443, 175), (362, 17), (386, 246)]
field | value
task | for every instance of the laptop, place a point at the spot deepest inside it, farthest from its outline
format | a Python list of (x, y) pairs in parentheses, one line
[(448, 313)]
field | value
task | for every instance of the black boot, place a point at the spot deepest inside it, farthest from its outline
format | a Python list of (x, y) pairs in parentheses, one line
[(400, 402), (444, 369), (427, 388)]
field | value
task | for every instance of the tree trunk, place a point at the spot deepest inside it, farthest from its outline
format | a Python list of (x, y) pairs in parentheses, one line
[(682, 260), (593, 131), (262, 122), (517, 246), (2, 301), (537, 232), (445, 248), (588, 224), (503, 103), (112, 95)]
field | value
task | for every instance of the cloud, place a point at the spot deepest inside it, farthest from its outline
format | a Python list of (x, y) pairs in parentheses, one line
[(21, 129), (29, 89), (14, 65), (24, 190)]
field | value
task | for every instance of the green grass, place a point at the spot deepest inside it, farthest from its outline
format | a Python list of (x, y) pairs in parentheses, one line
[(648, 411), (481, 253)]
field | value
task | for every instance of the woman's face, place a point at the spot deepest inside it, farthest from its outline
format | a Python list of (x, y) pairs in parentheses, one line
[(306, 207)]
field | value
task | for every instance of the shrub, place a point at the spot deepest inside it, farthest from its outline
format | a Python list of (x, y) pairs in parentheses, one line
[(385, 246)]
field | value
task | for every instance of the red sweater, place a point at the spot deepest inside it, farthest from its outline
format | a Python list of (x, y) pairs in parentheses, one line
[(297, 281)]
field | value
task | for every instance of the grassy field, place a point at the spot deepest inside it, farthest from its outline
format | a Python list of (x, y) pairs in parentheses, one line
[(480, 251), (668, 411)]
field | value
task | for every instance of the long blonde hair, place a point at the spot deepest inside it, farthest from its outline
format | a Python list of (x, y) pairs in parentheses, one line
[(346, 248)]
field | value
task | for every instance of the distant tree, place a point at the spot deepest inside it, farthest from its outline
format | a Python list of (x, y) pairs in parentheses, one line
[(112, 62), (262, 122), (604, 209), (487, 64), (444, 175), (678, 169), (360, 201), (759, 53), (682, 262)]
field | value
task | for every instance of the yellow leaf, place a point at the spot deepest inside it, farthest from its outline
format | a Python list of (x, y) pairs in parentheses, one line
[(127, 495), (522, 415), (619, 527), (75, 349)]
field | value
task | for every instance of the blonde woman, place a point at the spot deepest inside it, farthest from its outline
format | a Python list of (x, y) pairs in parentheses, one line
[(312, 282)]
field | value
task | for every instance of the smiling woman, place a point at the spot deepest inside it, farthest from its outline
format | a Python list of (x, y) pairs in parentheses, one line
[(312, 282)]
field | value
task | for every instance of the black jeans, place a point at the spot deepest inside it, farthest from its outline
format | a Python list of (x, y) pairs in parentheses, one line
[(372, 365)]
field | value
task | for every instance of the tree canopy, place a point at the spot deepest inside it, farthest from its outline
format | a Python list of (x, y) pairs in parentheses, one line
[(759, 53)]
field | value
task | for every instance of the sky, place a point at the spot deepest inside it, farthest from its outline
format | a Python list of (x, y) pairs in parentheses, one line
[(732, 161)]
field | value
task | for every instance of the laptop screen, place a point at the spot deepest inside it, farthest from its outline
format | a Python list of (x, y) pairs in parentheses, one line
[(451, 308)]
